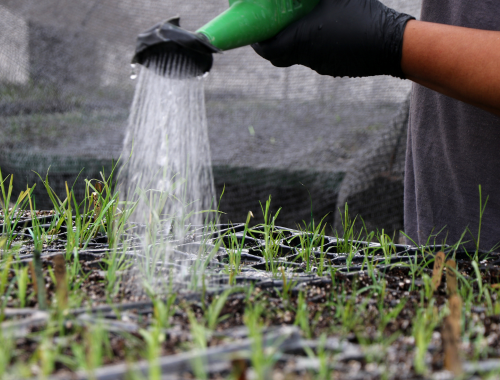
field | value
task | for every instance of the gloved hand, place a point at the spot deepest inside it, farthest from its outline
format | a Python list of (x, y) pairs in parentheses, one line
[(354, 38)]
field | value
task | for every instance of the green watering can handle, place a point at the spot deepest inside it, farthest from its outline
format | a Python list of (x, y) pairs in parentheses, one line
[(250, 21)]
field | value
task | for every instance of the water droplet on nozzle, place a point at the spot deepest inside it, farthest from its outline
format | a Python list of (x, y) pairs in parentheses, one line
[(203, 75)]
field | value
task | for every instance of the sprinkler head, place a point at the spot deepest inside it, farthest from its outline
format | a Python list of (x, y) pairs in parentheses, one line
[(173, 51)]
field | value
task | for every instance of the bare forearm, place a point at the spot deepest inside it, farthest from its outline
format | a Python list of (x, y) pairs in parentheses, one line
[(459, 62)]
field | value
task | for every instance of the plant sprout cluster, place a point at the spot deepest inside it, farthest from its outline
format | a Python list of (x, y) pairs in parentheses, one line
[(261, 302)]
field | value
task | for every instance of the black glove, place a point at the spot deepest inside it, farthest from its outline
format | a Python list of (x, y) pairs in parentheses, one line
[(354, 38)]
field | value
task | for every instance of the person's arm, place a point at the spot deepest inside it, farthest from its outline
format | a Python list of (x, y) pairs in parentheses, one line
[(360, 38), (458, 62)]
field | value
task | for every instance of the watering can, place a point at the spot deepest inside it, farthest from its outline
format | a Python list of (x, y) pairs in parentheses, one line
[(245, 22)]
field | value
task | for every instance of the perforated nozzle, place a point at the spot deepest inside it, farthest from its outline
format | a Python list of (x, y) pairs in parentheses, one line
[(173, 51)]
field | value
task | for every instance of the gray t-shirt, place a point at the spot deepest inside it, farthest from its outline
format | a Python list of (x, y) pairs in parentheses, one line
[(453, 148)]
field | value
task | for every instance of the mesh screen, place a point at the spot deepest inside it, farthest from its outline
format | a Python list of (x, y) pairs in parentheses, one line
[(311, 142)]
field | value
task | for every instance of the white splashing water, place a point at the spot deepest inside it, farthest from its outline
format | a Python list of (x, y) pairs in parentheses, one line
[(169, 169)]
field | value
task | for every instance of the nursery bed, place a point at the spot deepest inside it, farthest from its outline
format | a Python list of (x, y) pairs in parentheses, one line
[(310, 312)]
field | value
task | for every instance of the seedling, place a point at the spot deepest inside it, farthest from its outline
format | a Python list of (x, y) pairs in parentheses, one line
[(426, 320), (272, 237), (288, 285), (6, 353), (261, 358), (5, 286), (311, 237), (478, 280), (22, 285), (234, 249), (302, 315), (154, 339), (199, 334), (163, 312), (345, 243), (115, 263), (387, 246), (11, 215)]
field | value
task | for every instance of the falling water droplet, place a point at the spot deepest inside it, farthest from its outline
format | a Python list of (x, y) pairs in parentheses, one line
[(168, 132), (133, 74)]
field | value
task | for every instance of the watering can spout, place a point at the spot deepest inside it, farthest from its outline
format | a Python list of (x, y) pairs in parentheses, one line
[(245, 22), (173, 51)]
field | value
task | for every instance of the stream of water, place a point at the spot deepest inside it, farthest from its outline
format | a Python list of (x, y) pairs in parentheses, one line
[(169, 168)]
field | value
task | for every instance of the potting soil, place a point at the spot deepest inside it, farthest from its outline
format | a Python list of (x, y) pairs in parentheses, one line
[(65, 96)]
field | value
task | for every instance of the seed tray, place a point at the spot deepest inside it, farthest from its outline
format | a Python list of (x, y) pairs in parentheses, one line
[(132, 310)]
